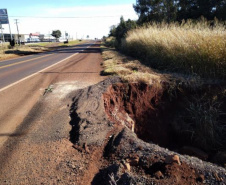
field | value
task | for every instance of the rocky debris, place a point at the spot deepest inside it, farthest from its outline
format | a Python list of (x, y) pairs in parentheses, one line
[(172, 159)]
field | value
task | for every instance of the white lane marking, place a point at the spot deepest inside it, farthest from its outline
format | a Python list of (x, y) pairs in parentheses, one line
[(4, 88), (18, 58), (23, 61)]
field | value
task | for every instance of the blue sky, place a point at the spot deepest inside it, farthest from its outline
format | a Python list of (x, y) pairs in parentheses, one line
[(93, 17)]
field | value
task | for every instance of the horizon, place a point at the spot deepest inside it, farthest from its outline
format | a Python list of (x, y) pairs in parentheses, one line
[(77, 18)]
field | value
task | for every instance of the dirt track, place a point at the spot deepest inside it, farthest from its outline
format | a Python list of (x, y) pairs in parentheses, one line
[(32, 153)]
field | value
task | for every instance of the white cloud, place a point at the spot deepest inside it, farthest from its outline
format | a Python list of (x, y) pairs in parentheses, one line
[(94, 21)]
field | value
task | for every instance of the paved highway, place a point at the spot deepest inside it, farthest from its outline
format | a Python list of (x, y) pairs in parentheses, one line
[(35, 128), (12, 71)]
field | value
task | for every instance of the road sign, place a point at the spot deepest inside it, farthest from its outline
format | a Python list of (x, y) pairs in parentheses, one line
[(4, 16)]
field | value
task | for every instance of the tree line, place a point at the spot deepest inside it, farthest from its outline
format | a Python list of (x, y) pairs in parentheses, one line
[(178, 10), (169, 11)]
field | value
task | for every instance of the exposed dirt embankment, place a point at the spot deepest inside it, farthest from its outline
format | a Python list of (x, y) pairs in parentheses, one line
[(142, 109), (157, 115), (128, 122)]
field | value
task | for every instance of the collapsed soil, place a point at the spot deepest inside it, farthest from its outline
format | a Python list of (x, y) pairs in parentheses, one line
[(102, 149), (151, 112), (106, 115)]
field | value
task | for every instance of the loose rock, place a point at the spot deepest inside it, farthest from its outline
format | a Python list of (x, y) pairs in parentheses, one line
[(127, 166), (173, 159), (159, 175)]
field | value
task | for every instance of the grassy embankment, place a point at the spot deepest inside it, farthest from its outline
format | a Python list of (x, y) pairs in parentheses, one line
[(193, 50), (6, 53)]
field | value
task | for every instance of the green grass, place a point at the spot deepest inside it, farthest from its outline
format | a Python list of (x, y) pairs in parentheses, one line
[(71, 43), (43, 44), (49, 44)]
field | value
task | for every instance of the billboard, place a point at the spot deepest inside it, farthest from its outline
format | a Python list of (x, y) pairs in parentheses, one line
[(4, 16)]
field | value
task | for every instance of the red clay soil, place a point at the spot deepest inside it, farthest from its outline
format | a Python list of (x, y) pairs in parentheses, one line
[(142, 104), (148, 111), (126, 159)]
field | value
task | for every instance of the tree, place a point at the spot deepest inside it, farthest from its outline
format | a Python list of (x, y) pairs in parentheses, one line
[(112, 30), (56, 34), (194, 9), (156, 10), (123, 28), (177, 10), (219, 10)]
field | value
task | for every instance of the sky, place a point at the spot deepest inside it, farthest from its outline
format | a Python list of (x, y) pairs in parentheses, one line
[(81, 17)]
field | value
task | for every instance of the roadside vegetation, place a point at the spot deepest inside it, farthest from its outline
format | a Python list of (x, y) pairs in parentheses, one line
[(169, 45), (8, 52), (192, 48), (129, 69)]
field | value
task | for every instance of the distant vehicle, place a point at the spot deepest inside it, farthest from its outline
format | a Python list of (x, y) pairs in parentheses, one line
[(33, 40), (62, 40)]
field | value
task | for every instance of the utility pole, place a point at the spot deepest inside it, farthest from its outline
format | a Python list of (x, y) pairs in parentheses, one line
[(3, 39), (1, 34), (17, 30)]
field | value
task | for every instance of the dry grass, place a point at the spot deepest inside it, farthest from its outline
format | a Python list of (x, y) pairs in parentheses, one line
[(128, 69), (188, 48), (6, 53), (19, 51)]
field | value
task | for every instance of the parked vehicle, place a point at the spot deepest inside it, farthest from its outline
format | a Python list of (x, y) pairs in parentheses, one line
[(33, 40)]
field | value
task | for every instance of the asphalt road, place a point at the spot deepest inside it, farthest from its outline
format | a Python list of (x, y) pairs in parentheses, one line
[(35, 144), (14, 70), (23, 80)]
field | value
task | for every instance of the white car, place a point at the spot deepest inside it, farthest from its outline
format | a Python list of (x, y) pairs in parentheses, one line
[(33, 40)]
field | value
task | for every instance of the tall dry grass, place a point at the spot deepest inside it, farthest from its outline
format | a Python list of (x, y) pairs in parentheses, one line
[(192, 48)]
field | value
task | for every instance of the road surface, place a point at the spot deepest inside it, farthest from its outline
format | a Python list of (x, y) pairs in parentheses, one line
[(24, 80), (14, 70)]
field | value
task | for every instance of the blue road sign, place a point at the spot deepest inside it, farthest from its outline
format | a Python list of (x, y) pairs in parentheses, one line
[(4, 16)]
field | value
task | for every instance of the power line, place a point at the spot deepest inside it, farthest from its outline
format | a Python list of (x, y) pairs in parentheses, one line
[(68, 17)]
